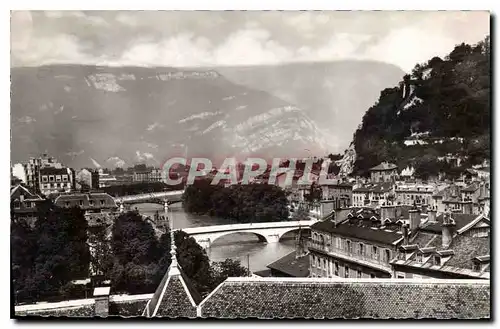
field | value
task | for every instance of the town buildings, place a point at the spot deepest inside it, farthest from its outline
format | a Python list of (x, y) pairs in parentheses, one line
[(55, 180), (373, 195), (384, 172), (24, 204), (450, 246), (410, 193), (359, 247)]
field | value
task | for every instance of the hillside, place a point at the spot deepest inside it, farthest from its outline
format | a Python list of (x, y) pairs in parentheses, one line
[(121, 116), (442, 102), (334, 94)]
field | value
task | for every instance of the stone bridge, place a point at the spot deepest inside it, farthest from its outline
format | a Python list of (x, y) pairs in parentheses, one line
[(266, 232)]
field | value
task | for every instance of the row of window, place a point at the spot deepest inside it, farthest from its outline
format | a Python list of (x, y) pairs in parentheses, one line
[(54, 185), (325, 266), (56, 178), (17, 204), (91, 203), (354, 248)]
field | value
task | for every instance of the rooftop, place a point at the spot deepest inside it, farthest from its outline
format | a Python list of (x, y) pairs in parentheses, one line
[(384, 166), (268, 298), (347, 229), (291, 265)]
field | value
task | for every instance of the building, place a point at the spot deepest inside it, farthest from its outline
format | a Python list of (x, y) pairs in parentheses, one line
[(33, 167), (359, 247), (384, 172), (105, 179), (90, 202), (340, 193), (373, 195), (24, 204), (55, 180), (471, 199), (410, 193), (295, 264), (147, 174), (450, 246)]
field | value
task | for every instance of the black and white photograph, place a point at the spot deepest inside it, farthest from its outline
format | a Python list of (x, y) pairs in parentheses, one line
[(313, 164)]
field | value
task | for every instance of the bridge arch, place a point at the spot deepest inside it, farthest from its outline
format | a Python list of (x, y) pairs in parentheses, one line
[(261, 237), (293, 229)]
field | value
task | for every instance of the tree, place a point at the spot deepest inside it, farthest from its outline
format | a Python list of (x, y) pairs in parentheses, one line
[(301, 214), (62, 253), (23, 252), (225, 269), (101, 260), (191, 257)]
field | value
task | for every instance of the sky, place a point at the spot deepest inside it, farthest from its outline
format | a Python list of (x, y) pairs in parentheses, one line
[(232, 38)]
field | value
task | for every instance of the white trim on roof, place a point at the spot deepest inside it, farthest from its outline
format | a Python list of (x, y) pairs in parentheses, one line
[(374, 281), (472, 223), (161, 297), (187, 291)]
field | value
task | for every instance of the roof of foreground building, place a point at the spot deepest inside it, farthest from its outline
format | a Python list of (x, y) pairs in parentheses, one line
[(314, 298)]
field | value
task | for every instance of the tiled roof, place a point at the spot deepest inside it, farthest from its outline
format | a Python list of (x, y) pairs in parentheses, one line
[(466, 248), (376, 188), (460, 221), (384, 166), (270, 298), (290, 265), (471, 188), (360, 232), (85, 198), (174, 297)]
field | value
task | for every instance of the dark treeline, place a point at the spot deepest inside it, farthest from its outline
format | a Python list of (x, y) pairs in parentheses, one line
[(140, 188), (239, 203)]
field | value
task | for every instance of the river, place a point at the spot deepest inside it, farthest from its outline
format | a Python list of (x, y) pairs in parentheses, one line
[(243, 246)]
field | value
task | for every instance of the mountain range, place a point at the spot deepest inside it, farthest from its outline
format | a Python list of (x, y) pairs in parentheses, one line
[(90, 116)]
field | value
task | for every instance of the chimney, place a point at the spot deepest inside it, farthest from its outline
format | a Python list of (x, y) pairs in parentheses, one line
[(447, 230), (387, 212), (431, 215), (414, 220), (101, 297), (405, 235)]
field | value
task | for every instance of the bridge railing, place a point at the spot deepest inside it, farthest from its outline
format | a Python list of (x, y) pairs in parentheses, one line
[(238, 227)]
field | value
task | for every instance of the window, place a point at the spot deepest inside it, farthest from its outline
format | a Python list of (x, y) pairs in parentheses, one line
[(51, 178), (17, 204), (419, 258), (359, 274), (349, 246), (388, 255), (313, 261), (65, 178), (58, 178), (476, 267), (336, 269), (91, 203), (401, 276), (361, 249), (102, 202), (375, 252), (346, 271), (44, 179), (81, 202), (66, 203), (324, 264), (437, 260), (372, 276)]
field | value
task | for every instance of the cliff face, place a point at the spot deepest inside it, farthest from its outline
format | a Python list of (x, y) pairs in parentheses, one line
[(88, 115)]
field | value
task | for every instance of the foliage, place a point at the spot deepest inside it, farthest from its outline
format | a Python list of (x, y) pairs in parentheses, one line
[(240, 203), (55, 252), (139, 188), (446, 97), (225, 269), (301, 213)]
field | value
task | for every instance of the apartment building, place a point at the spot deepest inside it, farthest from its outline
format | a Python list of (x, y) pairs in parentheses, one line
[(55, 180)]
